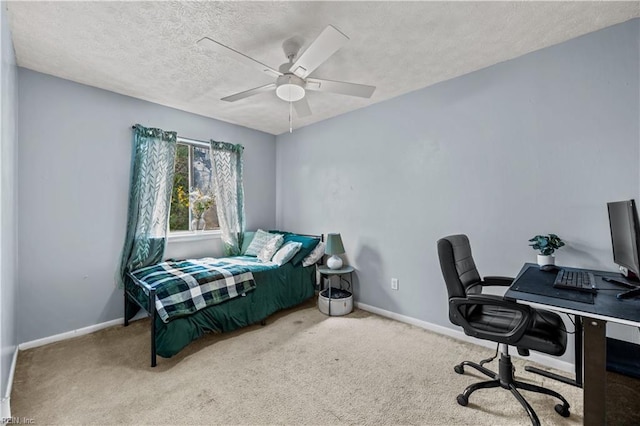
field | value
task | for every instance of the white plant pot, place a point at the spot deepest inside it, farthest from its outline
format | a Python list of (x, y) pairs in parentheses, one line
[(546, 260)]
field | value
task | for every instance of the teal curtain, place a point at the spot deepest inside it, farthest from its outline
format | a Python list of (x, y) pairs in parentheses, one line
[(226, 164), (152, 170)]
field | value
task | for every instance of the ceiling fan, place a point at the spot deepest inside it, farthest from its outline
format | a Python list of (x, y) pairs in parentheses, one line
[(292, 78)]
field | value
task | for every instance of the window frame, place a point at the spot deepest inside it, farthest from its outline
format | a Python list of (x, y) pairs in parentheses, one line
[(190, 235)]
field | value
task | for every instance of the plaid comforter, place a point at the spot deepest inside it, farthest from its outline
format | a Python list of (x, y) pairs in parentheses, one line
[(187, 286)]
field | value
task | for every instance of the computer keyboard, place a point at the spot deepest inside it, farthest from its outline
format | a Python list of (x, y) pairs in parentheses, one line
[(575, 280)]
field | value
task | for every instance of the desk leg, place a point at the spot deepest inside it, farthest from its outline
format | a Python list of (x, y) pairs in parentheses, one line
[(578, 360), (578, 350), (595, 371)]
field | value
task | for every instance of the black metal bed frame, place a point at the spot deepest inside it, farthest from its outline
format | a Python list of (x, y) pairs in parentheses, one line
[(151, 305), (150, 309)]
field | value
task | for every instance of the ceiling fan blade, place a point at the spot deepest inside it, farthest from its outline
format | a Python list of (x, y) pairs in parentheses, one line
[(325, 45), (214, 46), (262, 89), (302, 108), (341, 87)]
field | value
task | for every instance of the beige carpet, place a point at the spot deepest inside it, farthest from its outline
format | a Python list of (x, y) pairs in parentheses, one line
[(302, 368)]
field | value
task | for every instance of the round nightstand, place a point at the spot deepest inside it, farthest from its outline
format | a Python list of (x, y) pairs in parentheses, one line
[(344, 305)]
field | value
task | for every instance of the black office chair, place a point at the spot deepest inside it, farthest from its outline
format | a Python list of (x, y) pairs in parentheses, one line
[(493, 318)]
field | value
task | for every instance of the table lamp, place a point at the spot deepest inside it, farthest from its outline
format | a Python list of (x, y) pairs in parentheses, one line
[(334, 247)]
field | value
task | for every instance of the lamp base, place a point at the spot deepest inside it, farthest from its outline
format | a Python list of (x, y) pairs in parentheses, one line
[(334, 262)]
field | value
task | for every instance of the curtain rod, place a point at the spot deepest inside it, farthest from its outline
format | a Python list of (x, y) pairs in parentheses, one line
[(189, 141), (193, 142)]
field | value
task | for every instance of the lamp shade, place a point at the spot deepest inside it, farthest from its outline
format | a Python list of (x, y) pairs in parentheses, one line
[(334, 244)]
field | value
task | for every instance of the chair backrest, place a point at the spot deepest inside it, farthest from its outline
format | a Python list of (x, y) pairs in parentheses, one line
[(458, 268)]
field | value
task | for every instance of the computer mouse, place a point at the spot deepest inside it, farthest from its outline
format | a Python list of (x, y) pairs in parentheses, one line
[(549, 268)]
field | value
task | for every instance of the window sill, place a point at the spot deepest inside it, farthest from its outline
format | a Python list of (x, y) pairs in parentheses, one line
[(178, 237)]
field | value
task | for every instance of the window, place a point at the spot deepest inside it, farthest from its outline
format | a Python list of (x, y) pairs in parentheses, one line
[(192, 201)]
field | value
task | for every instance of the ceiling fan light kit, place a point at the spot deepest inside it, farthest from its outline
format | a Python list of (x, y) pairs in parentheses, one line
[(292, 78), (290, 88)]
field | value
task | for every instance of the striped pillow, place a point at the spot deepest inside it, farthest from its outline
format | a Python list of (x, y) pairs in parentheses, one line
[(286, 253), (260, 239), (271, 248)]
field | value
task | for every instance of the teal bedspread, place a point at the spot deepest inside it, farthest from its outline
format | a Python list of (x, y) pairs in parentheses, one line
[(277, 288), (186, 286)]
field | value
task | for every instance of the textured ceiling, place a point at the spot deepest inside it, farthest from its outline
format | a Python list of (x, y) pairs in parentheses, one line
[(148, 49)]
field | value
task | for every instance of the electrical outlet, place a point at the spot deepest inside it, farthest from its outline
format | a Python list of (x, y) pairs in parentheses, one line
[(394, 283)]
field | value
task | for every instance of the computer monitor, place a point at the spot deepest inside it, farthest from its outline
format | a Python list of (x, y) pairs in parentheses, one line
[(623, 223), (624, 226)]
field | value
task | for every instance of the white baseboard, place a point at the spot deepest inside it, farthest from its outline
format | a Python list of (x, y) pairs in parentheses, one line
[(5, 402), (548, 361), (5, 411), (76, 333)]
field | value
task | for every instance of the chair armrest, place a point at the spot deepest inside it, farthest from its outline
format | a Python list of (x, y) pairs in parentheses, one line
[(499, 281), (458, 304)]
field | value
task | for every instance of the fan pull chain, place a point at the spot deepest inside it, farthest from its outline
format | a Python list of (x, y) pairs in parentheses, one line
[(290, 117)]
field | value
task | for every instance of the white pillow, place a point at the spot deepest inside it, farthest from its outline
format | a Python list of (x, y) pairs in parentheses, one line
[(271, 248), (286, 253), (315, 255), (260, 239)]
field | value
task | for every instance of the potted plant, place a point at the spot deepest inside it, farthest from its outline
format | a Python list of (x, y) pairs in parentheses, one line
[(546, 245)]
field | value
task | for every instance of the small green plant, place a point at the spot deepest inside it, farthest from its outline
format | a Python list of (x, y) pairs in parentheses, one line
[(546, 244)]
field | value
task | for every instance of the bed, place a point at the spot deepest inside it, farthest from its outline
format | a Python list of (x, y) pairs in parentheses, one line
[(242, 301)]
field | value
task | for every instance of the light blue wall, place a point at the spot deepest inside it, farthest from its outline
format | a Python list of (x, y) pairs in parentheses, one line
[(74, 165), (534, 145), (8, 197)]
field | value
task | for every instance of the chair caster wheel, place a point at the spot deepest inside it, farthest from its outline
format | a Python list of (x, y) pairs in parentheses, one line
[(459, 369), (462, 400), (562, 410)]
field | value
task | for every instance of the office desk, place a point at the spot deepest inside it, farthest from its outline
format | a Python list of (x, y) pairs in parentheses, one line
[(594, 317)]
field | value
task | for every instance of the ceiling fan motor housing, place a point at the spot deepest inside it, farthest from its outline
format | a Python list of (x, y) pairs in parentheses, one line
[(290, 88)]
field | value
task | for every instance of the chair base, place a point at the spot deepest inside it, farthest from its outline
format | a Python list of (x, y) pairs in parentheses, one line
[(506, 380)]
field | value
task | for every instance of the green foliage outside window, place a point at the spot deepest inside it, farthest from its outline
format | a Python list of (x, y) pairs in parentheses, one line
[(192, 190), (179, 218)]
